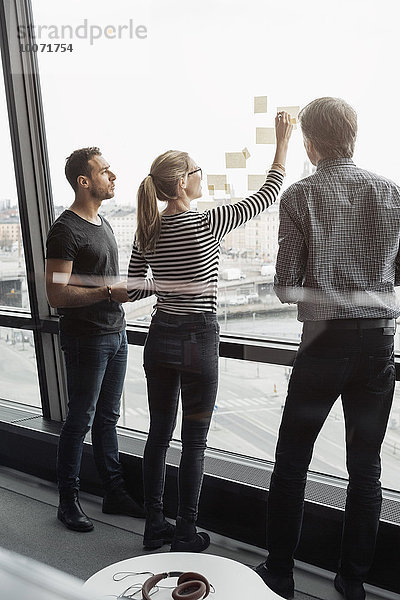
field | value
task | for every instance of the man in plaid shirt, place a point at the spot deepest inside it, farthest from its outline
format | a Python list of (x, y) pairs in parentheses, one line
[(339, 261)]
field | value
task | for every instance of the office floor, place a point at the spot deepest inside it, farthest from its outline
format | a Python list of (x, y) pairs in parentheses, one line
[(28, 525)]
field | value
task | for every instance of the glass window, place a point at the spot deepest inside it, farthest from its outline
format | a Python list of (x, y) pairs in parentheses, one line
[(13, 285), (248, 412), (18, 370), (163, 75), (134, 411)]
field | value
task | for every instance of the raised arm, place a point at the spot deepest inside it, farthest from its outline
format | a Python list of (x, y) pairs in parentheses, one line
[(225, 218), (283, 131)]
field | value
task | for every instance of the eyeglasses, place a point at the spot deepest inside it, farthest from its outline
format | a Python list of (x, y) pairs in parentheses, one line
[(196, 171)]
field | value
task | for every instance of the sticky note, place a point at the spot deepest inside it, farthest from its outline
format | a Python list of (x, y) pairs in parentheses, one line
[(254, 182), (227, 188), (292, 110), (217, 181), (246, 153), (235, 160), (211, 190), (265, 135), (260, 104)]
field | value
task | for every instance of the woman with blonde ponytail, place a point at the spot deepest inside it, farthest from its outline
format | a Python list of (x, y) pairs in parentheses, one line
[(182, 247)]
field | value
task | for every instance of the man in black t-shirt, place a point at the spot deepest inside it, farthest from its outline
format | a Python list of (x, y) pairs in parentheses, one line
[(83, 283)]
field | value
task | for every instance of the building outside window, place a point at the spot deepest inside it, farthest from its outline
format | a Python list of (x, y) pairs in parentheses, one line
[(13, 287)]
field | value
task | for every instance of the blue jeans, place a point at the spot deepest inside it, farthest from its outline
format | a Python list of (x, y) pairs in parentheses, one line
[(359, 366), (180, 356), (96, 367)]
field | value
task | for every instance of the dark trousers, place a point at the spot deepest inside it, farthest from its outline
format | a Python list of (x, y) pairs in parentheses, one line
[(96, 367), (359, 366), (180, 356)]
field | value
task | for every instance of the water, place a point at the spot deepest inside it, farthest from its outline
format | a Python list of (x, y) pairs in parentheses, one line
[(276, 324)]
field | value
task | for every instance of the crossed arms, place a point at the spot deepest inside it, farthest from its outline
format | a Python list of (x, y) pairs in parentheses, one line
[(67, 290)]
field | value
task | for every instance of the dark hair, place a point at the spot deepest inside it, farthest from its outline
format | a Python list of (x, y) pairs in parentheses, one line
[(331, 125), (78, 164)]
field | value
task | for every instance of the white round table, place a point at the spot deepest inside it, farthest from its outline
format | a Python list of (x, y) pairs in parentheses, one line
[(231, 580)]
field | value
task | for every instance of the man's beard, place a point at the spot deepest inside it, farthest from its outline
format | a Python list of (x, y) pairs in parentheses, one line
[(101, 194)]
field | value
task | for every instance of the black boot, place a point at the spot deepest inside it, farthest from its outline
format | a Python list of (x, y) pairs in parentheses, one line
[(157, 530), (187, 539), (70, 512), (283, 585), (350, 589), (119, 502)]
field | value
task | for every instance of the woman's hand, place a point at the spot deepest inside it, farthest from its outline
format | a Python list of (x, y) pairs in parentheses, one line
[(283, 130), (118, 292)]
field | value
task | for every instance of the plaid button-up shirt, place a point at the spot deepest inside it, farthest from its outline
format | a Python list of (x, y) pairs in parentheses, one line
[(339, 240)]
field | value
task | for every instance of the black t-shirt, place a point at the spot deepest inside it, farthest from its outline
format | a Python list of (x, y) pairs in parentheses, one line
[(94, 252)]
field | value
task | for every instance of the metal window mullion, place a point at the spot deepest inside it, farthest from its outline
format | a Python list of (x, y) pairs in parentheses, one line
[(34, 191)]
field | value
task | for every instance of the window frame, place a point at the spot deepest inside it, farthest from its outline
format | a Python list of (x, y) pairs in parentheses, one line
[(32, 174)]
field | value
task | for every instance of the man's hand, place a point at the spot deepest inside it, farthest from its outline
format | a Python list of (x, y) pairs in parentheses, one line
[(119, 293)]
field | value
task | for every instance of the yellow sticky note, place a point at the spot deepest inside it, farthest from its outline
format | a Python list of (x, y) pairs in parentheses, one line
[(265, 135), (260, 104), (254, 182), (235, 160), (211, 190), (246, 153), (217, 181), (227, 188), (292, 110)]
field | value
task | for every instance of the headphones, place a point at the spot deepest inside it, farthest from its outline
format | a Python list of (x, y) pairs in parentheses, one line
[(191, 586)]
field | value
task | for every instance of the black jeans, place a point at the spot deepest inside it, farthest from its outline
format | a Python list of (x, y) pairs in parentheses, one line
[(96, 367), (359, 366), (180, 355)]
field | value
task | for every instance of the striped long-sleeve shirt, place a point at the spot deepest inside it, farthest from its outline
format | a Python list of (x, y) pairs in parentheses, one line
[(184, 265)]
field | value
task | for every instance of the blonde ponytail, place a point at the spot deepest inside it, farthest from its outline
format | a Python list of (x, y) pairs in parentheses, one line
[(148, 216), (160, 184)]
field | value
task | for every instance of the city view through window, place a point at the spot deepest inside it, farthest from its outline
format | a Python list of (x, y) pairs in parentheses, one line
[(13, 288), (195, 83), (18, 372)]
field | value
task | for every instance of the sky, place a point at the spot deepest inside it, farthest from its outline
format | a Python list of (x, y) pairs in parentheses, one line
[(190, 83)]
